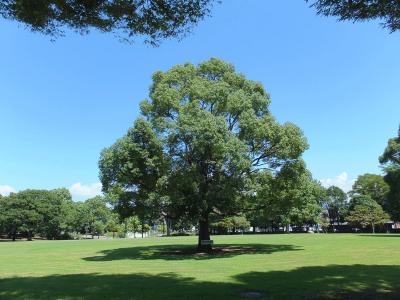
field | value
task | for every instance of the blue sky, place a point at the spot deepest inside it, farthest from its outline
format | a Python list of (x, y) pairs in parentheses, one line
[(62, 102)]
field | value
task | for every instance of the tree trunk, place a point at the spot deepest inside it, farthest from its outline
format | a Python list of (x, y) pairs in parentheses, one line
[(373, 227), (204, 234), (168, 223), (287, 228), (29, 236)]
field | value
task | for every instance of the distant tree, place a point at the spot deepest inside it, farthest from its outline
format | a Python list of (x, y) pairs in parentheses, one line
[(144, 228), (390, 160), (360, 200), (368, 215), (292, 194), (182, 224), (233, 223), (323, 221), (387, 11), (308, 208), (19, 214), (113, 225), (371, 185), (133, 225), (89, 212), (336, 205), (98, 228), (54, 207), (153, 19), (205, 134)]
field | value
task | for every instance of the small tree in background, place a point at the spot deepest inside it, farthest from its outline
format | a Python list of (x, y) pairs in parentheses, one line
[(133, 224), (98, 228), (368, 215), (335, 203), (323, 221), (233, 223), (113, 226)]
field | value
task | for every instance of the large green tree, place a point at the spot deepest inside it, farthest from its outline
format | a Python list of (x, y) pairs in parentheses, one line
[(153, 19), (390, 160), (205, 133)]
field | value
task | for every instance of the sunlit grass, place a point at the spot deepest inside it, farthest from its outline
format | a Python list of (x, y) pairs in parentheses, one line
[(294, 266)]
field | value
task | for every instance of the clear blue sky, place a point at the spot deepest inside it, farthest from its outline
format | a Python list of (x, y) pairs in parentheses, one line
[(62, 102)]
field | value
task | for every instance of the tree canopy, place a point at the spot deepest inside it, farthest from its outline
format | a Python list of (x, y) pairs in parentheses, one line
[(371, 185), (36, 211), (156, 20), (153, 19), (205, 135), (370, 214), (390, 160), (335, 203), (387, 11)]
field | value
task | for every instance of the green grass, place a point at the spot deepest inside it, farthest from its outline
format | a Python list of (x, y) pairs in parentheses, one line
[(295, 266)]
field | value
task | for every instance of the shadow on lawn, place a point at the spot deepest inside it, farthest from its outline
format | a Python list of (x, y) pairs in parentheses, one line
[(381, 235), (316, 283), (180, 252)]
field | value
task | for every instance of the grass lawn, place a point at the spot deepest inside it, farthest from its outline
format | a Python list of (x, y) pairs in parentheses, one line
[(295, 266)]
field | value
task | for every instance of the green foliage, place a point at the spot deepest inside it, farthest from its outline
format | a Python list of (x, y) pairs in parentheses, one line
[(390, 160), (36, 211), (323, 221), (19, 213), (56, 210), (290, 197), (370, 214), (206, 134), (335, 203), (155, 20), (98, 228), (387, 11), (92, 211), (133, 224), (371, 185), (360, 200), (232, 224)]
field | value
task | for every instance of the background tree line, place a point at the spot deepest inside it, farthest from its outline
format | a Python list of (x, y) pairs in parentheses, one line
[(53, 215)]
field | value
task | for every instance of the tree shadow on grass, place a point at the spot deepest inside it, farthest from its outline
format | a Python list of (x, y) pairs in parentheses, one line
[(342, 282), (180, 252), (386, 235)]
